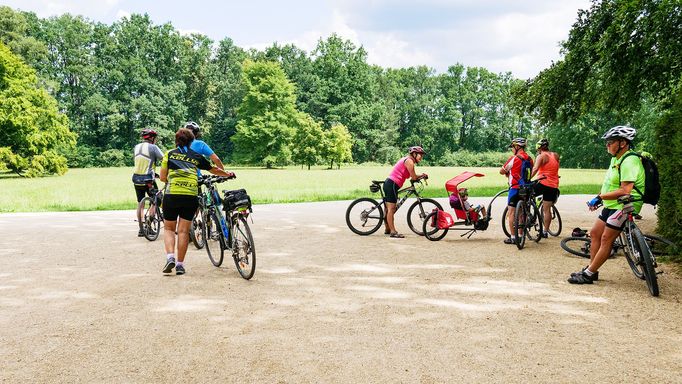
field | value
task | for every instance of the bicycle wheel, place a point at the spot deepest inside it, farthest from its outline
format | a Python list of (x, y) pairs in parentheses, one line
[(504, 222), (430, 227), (520, 224), (579, 246), (213, 238), (634, 260), (243, 248), (534, 223), (660, 246), (648, 263), (364, 216), (151, 223), (196, 230), (418, 212), (555, 224)]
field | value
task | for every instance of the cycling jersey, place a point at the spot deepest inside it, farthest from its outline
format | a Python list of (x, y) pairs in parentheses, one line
[(513, 168), (631, 169), (146, 156), (399, 173), (183, 164), (200, 147), (549, 171)]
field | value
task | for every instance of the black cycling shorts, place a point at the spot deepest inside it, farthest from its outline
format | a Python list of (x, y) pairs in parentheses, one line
[(548, 193), (145, 190), (390, 191), (184, 206)]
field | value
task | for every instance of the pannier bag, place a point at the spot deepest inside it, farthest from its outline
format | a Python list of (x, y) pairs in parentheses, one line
[(237, 198)]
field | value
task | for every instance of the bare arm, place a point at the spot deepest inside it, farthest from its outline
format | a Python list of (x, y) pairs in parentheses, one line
[(217, 162), (221, 172), (163, 174), (625, 189), (540, 161)]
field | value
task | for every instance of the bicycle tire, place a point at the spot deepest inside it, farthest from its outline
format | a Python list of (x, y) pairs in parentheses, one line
[(534, 223), (151, 224), (213, 238), (660, 246), (648, 264), (578, 246), (520, 221), (415, 219), (634, 261), (433, 233), (555, 225), (243, 247), (369, 218), (196, 230), (504, 222)]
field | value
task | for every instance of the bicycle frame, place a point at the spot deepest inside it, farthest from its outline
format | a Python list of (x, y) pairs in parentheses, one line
[(407, 192), (210, 205)]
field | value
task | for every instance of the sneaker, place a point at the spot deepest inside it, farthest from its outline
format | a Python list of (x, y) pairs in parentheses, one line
[(140, 233), (180, 270), (509, 240), (595, 276), (581, 278), (545, 235), (170, 264)]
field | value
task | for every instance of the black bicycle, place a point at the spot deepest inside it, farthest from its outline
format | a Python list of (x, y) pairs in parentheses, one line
[(527, 218), (152, 214), (555, 224), (365, 215), (580, 245)]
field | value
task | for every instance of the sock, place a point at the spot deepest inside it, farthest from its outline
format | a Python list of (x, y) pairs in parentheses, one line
[(588, 272), (179, 264), (170, 255)]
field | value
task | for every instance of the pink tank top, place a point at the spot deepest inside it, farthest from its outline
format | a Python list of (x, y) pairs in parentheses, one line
[(550, 170), (399, 173)]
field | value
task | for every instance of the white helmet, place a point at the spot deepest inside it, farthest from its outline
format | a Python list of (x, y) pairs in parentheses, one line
[(620, 132)]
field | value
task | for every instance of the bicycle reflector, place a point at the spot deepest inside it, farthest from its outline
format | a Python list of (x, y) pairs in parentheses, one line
[(374, 188)]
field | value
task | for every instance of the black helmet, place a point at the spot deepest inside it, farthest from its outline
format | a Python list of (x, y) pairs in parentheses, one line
[(148, 134), (520, 141), (194, 127), (542, 143)]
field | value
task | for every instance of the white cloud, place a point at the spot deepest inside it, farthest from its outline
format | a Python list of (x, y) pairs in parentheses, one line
[(122, 14)]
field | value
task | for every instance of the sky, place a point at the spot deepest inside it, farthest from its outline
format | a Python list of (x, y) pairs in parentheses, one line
[(517, 36)]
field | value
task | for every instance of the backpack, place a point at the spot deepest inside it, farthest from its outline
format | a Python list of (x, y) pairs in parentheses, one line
[(526, 170), (652, 184)]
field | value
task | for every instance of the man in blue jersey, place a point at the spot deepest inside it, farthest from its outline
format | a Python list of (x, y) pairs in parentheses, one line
[(200, 147)]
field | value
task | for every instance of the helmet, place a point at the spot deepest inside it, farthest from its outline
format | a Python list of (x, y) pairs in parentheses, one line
[(194, 127), (416, 149), (148, 133), (620, 132), (542, 143), (520, 141), (463, 191)]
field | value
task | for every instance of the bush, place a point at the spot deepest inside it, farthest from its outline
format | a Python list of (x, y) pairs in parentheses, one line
[(81, 157), (112, 158), (471, 159)]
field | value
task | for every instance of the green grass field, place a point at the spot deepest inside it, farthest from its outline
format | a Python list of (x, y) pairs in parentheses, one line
[(111, 188)]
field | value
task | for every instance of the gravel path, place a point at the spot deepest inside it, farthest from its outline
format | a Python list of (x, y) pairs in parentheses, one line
[(84, 300)]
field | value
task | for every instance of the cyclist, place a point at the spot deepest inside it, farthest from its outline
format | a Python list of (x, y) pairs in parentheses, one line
[(403, 169), (547, 169), (200, 147), (513, 169), (625, 176), (179, 171), (147, 154)]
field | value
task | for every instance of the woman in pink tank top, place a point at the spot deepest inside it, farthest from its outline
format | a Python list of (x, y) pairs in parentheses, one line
[(546, 168), (403, 169)]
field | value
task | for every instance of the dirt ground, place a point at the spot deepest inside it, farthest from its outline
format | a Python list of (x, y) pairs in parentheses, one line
[(82, 299)]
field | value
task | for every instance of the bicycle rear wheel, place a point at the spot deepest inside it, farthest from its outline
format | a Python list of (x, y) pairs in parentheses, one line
[(579, 246), (196, 230), (151, 223), (555, 224), (213, 238), (364, 216), (504, 222), (430, 227), (534, 223), (243, 248), (418, 212), (648, 263), (520, 224)]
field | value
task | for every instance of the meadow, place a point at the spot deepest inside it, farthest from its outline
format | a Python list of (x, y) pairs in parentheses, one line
[(87, 189)]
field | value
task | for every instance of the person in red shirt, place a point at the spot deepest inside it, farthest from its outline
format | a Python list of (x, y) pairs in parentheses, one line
[(547, 169), (513, 170)]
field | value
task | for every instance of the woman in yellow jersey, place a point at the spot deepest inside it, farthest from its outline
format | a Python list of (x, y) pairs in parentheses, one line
[(179, 172)]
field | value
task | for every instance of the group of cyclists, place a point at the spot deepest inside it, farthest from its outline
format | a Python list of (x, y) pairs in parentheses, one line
[(180, 170), (625, 176)]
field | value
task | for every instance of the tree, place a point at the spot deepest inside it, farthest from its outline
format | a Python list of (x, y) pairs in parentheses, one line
[(338, 145), (309, 141), (32, 130), (267, 116)]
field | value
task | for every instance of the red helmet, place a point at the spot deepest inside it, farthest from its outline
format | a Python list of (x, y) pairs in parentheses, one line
[(148, 133), (416, 149)]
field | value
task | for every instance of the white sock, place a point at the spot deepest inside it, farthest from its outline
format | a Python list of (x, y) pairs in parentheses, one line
[(179, 264), (170, 256), (588, 272)]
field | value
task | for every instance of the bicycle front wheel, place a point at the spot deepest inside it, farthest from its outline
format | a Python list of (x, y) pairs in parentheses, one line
[(196, 230), (151, 223), (579, 246), (364, 216), (243, 248), (648, 263), (660, 246), (520, 224), (213, 238), (634, 259), (417, 213), (430, 227), (555, 224)]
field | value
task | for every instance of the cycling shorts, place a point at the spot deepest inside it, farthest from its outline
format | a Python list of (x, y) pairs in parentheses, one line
[(145, 190), (548, 193), (184, 206), (614, 218), (390, 191), (513, 197)]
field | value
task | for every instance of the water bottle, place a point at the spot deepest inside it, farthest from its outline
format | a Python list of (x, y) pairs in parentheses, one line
[(224, 226)]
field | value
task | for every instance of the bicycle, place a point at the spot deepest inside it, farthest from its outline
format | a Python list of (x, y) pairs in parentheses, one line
[(228, 231), (527, 216), (555, 224), (197, 227), (580, 245), (371, 215), (153, 214)]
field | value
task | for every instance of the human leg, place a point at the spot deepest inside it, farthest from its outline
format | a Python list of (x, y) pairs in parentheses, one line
[(390, 217), (183, 238), (546, 214)]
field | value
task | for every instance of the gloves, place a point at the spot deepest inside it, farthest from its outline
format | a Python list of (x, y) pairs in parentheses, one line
[(595, 202)]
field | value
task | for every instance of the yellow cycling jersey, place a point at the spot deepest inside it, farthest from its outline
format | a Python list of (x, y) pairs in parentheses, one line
[(182, 165)]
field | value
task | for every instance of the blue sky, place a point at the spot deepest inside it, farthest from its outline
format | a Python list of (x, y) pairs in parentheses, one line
[(520, 36)]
